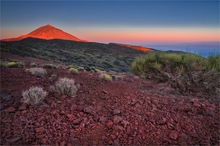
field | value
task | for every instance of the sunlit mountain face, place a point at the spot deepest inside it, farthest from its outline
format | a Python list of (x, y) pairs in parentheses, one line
[(141, 48), (47, 32)]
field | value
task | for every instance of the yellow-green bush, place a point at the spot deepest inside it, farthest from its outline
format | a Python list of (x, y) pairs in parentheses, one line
[(3, 65), (182, 70), (213, 63), (15, 65), (73, 71), (106, 77)]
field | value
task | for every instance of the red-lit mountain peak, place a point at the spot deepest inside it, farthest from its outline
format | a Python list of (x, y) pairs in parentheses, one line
[(47, 32)]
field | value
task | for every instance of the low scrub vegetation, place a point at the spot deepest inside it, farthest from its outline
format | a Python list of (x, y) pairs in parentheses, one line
[(106, 77), (213, 63), (73, 70), (51, 66), (65, 86), (34, 95), (15, 65), (186, 72), (81, 68), (3, 65), (33, 64), (37, 71)]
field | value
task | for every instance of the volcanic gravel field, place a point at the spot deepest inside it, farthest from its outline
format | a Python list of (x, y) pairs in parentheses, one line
[(128, 111)]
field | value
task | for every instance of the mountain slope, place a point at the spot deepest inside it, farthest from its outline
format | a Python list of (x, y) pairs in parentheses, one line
[(47, 32), (109, 57)]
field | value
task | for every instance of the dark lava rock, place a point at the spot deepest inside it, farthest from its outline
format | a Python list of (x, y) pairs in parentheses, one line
[(5, 96), (23, 107), (39, 129), (2, 107), (10, 109), (13, 140)]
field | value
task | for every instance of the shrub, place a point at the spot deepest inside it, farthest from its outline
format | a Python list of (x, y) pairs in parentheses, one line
[(33, 64), (81, 69), (186, 72), (15, 64), (3, 65), (96, 70), (73, 71), (65, 86), (34, 95), (73, 66), (37, 71), (168, 62), (117, 77), (51, 66), (106, 77), (213, 63)]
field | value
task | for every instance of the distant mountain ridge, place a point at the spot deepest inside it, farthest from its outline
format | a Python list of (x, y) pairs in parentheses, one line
[(47, 32)]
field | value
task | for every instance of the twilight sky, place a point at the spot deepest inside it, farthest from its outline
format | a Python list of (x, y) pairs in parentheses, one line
[(117, 21)]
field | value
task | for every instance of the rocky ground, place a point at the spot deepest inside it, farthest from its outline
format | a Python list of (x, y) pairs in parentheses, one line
[(128, 111)]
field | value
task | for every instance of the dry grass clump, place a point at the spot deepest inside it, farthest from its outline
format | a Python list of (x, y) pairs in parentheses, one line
[(34, 95), (37, 71), (65, 86)]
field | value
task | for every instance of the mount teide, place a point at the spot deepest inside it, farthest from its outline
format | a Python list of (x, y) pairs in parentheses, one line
[(47, 32)]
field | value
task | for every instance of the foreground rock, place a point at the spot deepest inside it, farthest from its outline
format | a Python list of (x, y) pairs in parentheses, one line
[(136, 112)]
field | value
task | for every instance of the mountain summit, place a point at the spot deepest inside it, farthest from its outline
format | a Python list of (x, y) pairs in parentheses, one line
[(47, 32)]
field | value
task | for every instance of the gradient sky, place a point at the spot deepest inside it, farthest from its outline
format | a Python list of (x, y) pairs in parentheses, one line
[(117, 21)]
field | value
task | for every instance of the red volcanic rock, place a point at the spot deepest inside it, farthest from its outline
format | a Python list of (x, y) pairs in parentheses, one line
[(116, 112), (89, 110), (23, 107), (117, 119), (102, 119), (10, 109), (63, 96), (39, 129), (109, 124), (13, 140), (70, 116), (77, 121), (47, 32), (62, 143), (44, 141), (118, 128), (173, 135), (132, 114)]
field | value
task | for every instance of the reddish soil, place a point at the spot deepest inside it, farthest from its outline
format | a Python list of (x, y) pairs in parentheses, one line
[(130, 111)]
